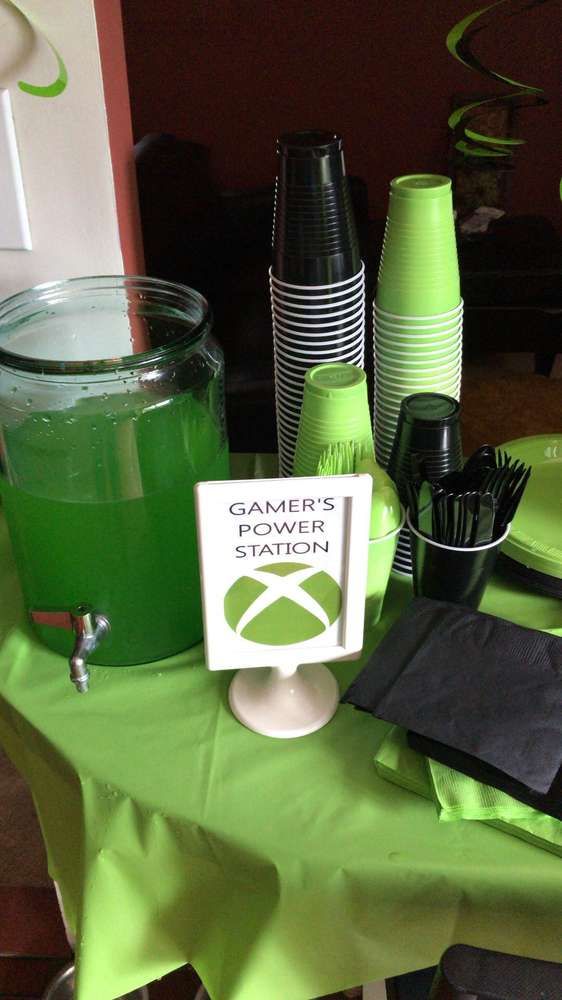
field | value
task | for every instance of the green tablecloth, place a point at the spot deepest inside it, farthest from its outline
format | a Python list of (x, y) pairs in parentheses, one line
[(280, 869)]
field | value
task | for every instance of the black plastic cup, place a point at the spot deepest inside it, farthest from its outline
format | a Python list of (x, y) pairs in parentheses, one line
[(302, 352), (428, 437), (312, 221), (448, 573), (324, 341), (317, 313), (318, 292), (317, 270), (334, 200), (317, 220), (321, 323), (314, 234), (323, 244), (310, 158)]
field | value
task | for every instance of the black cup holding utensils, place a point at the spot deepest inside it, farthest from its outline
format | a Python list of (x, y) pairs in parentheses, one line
[(452, 573), (459, 523)]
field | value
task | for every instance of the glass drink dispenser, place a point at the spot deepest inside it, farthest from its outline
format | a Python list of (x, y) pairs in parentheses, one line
[(111, 408)]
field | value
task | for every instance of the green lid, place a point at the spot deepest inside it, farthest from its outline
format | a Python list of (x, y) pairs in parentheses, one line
[(535, 539), (421, 186), (322, 380), (430, 408)]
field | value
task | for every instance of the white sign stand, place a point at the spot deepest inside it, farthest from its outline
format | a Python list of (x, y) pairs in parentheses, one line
[(283, 572)]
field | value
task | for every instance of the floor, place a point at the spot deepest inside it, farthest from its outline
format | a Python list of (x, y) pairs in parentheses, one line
[(33, 945), (29, 918), (33, 948)]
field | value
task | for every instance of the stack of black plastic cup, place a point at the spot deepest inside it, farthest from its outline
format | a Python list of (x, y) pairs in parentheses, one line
[(427, 445), (317, 277)]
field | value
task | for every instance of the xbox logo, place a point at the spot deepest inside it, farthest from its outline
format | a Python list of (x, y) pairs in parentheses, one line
[(282, 603)]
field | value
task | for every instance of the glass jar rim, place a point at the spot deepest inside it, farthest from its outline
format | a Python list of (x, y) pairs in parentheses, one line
[(23, 305)]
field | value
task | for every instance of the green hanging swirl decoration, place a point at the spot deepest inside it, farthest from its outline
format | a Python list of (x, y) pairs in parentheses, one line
[(57, 86), (468, 140)]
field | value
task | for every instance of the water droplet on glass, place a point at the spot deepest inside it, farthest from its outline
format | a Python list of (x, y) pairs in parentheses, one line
[(14, 388), (28, 402)]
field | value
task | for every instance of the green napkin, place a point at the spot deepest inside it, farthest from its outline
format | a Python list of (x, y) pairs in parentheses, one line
[(457, 796), (397, 762)]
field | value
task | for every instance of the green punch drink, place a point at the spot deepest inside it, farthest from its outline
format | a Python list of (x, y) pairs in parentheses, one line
[(98, 461)]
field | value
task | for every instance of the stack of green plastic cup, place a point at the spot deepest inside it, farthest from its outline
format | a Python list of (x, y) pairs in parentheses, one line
[(334, 408), (418, 308), (419, 272)]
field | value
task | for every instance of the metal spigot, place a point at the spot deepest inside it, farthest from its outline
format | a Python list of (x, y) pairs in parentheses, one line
[(89, 629)]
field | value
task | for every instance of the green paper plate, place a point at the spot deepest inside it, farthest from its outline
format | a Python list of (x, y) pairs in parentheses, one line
[(535, 539)]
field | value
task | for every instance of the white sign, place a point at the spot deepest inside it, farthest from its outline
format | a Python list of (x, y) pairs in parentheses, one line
[(283, 569)]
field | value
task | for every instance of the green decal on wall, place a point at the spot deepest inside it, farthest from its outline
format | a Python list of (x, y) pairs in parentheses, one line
[(57, 86)]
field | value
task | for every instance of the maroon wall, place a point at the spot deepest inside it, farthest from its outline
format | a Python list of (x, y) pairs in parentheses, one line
[(114, 73), (232, 74)]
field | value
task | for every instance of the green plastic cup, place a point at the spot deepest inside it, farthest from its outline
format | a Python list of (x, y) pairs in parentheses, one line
[(390, 397), (403, 354), (416, 199), (389, 346), (381, 556), (411, 243), (387, 518), (418, 325), (417, 353), (393, 348), (418, 296), (388, 370), (407, 358), (334, 408), (434, 242), (391, 379), (417, 334), (419, 272)]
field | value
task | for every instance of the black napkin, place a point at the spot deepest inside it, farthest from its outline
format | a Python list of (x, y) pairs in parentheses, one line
[(550, 803), (473, 682)]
